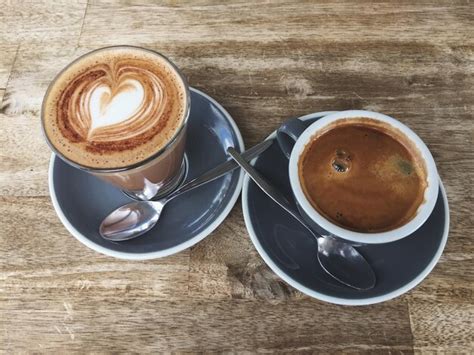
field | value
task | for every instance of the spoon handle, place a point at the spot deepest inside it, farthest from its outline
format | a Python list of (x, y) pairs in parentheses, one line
[(271, 191), (340, 260), (221, 169)]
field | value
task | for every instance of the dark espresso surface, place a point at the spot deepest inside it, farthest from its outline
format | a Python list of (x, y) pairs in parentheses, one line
[(361, 178)]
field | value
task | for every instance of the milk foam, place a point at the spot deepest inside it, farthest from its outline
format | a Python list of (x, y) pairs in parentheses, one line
[(115, 107), (106, 110)]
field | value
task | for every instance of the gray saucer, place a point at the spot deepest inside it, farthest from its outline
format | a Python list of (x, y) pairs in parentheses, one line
[(291, 253), (82, 200)]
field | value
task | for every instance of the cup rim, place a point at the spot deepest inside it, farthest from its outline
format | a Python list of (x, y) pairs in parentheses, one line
[(424, 210), (137, 164)]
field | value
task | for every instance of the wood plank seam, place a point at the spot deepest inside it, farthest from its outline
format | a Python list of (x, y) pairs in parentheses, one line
[(12, 67), (410, 319), (82, 25)]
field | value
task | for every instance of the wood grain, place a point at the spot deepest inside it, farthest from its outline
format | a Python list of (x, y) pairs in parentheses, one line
[(6, 61), (46, 257), (7, 58), (337, 21), (186, 325), (436, 327), (265, 63), (35, 66), (24, 173), (40, 21)]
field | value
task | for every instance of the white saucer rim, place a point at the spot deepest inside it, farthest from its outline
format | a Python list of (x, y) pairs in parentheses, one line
[(332, 299), (169, 251)]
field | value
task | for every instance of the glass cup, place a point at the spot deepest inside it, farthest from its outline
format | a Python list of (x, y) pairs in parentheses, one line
[(155, 176)]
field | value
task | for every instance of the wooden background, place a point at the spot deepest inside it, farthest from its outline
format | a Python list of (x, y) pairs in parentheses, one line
[(264, 62)]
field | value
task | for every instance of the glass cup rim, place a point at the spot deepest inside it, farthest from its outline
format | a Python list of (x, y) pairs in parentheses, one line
[(141, 162)]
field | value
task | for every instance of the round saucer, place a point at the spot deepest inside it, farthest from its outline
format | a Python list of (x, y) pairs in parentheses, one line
[(82, 201), (288, 250)]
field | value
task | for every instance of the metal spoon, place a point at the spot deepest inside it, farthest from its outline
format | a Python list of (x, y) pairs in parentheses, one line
[(136, 218), (340, 260)]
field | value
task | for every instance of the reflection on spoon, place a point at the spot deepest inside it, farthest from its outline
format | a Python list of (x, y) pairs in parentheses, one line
[(340, 260), (136, 218)]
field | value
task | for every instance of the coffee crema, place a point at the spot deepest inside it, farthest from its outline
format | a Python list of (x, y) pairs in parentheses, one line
[(363, 175), (114, 107)]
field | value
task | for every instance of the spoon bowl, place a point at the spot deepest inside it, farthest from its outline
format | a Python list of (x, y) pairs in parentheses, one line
[(136, 218), (339, 259), (131, 220), (343, 262)]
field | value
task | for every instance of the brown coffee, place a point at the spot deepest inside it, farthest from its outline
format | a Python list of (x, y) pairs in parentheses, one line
[(363, 175), (114, 107), (120, 112)]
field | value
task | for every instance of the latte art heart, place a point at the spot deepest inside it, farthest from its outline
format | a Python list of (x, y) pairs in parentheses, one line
[(115, 107), (107, 108)]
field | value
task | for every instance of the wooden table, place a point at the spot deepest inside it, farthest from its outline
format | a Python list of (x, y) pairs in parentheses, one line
[(264, 62)]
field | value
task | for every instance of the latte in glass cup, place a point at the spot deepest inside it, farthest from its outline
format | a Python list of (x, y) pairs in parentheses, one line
[(120, 113)]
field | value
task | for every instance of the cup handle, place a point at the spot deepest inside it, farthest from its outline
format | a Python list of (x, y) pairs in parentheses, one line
[(288, 134)]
